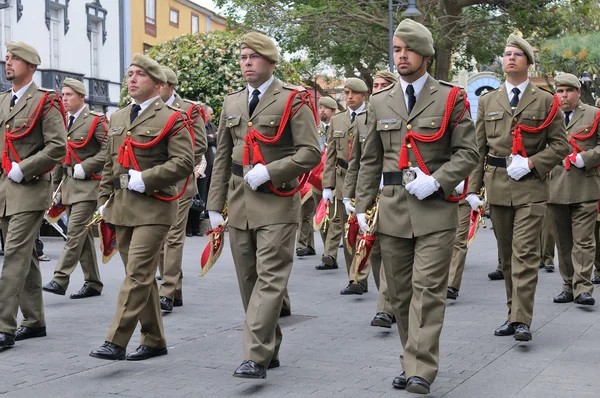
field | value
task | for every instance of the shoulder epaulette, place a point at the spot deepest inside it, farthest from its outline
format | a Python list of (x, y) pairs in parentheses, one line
[(385, 89), (236, 91), (545, 89), (191, 102), (449, 84), (491, 91), (97, 113), (364, 111), (46, 89), (173, 107)]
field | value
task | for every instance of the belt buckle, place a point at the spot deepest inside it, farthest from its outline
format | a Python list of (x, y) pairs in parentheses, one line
[(246, 169), (123, 180), (508, 161), (408, 176)]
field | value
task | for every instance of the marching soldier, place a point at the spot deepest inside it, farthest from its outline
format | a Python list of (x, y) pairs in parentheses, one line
[(521, 137), (33, 142), (574, 194), (149, 153), (421, 136), (170, 263), (260, 156), (80, 174), (339, 147)]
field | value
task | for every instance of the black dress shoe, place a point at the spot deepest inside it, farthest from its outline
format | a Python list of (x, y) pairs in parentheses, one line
[(383, 320), (507, 329), (452, 293), (145, 352), (285, 312), (166, 304), (85, 291), (23, 333), (329, 260), (158, 278), (177, 303), (274, 364), (189, 234), (353, 288), (304, 251), (53, 287), (542, 265), (250, 370), (324, 267), (109, 351), (563, 297), (596, 280), (418, 385), (585, 298), (549, 267), (6, 340), (522, 332), (400, 381), (496, 275)]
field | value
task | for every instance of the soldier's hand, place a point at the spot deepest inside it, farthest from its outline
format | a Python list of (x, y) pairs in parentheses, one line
[(78, 172), (460, 188), (257, 176), (15, 174), (423, 186), (215, 218), (328, 195), (135, 181), (348, 205), (381, 183), (101, 210), (474, 201), (579, 162), (362, 222), (519, 167)]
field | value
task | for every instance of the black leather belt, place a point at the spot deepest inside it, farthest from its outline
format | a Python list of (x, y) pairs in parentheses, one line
[(342, 163), (504, 163), (238, 170), (399, 177), (121, 181)]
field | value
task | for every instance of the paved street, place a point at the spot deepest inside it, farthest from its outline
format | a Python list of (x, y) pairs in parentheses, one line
[(329, 349)]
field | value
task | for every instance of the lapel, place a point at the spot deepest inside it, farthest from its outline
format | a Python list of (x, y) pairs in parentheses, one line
[(80, 121), (241, 101), (396, 102), (425, 98), (268, 97), (23, 101), (147, 113), (528, 97), (576, 115), (502, 98)]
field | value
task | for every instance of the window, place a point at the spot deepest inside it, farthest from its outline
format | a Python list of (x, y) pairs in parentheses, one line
[(95, 47), (5, 31), (174, 17), (55, 22), (147, 47), (195, 23), (150, 11)]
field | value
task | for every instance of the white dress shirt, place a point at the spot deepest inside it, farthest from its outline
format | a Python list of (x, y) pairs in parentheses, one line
[(20, 93), (521, 87), (417, 86), (262, 88)]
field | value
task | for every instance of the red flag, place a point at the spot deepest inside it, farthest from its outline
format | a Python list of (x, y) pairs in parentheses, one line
[(213, 249), (474, 223), (108, 240), (55, 213), (352, 230)]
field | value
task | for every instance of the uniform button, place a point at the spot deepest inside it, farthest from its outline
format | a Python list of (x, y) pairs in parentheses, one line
[(129, 133), (409, 146), (433, 123), (69, 138), (409, 126), (7, 126), (34, 176), (410, 163), (272, 123), (493, 117), (515, 119), (37, 178), (147, 132), (156, 191), (533, 117), (386, 126), (283, 185), (249, 124), (80, 138), (230, 124)]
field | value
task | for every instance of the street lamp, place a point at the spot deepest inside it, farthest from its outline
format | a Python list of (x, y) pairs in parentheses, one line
[(411, 11)]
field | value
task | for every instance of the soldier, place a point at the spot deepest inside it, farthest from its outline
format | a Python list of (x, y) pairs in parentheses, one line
[(339, 146), (80, 174), (574, 194), (521, 137), (33, 142), (170, 292), (262, 219), (417, 223), (384, 316), (149, 153)]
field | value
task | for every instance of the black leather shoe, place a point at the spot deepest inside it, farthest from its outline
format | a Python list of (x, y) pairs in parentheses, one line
[(418, 385), (549, 267), (189, 234), (496, 275), (250, 370), (285, 312), (507, 329), (6, 340), (325, 267), (166, 304), (303, 251), (452, 293), (109, 351), (596, 280), (585, 298), (563, 297), (522, 332), (542, 265), (353, 288), (274, 364), (400, 381), (53, 287), (177, 303), (23, 333), (84, 292), (383, 320), (145, 352), (329, 260)]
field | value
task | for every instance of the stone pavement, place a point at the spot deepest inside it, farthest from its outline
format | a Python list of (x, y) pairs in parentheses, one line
[(329, 349)]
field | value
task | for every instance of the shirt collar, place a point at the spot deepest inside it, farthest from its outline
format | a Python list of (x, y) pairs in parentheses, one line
[(21, 92), (76, 114), (170, 100), (262, 88), (521, 87), (359, 110), (417, 84), (146, 104)]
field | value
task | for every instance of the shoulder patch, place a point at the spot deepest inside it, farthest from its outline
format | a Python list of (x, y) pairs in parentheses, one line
[(236, 91)]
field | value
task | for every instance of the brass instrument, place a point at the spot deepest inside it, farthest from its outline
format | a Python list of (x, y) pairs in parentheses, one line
[(363, 248)]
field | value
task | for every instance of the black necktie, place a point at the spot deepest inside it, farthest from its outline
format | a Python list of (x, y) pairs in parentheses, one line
[(71, 120), (253, 102), (352, 116), (410, 92), (514, 102), (567, 117), (326, 129), (13, 101), (135, 109)]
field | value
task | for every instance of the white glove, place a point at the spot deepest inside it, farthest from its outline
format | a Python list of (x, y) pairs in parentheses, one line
[(135, 181), (78, 172), (579, 162), (423, 186), (474, 201), (328, 195), (362, 222), (518, 168), (381, 183), (257, 176), (216, 219), (15, 173), (460, 188), (348, 205), (101, 210)]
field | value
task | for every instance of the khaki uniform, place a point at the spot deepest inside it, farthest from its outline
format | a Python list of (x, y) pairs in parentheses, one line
[(547, 240), (142, 220), (517, 208), (262, 225), (573, 206), (79, 196), (416, 236), (459, 251), (306, 232), (172, 253), (22, 205)]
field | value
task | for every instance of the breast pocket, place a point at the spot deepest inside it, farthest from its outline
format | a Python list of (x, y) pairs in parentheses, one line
[(268, 124), (232, 122), (533, 118), (494, 120), (430, 126), (150, 135), (389, 131)]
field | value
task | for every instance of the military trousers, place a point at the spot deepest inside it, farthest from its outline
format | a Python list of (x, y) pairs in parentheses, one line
[(317, 198), (374, 263), (79, 248), (518, 230), (548, 240), (21, 279), (335, 229), (573, 229), (416, 272), (306, 231), (263, 260), (597, 239), (459, 251), (138, 298)]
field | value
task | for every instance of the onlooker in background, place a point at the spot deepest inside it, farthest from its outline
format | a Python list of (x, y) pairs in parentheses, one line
[(211, 137), (198, 205)]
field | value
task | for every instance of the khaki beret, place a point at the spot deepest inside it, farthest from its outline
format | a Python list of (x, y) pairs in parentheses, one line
[(151, 67), (387, 75), (519, 42), (357, 85), (171, 75), (261, 44), (567, 79), (416, 36), (24, 51), (328, 102), (75, 85)]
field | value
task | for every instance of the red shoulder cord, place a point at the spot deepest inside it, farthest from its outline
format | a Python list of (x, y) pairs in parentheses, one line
[(517, 147), (127, 157), (71, 146), (25, 128), (253, 136), (578, 136), (411, 137)]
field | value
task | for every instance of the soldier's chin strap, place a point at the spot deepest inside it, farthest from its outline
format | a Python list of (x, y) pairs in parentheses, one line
[(71, 146), (593, 127), (253, 136), (517, 147)]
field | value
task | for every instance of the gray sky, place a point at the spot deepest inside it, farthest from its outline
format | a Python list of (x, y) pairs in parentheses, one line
[(207, 4)]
